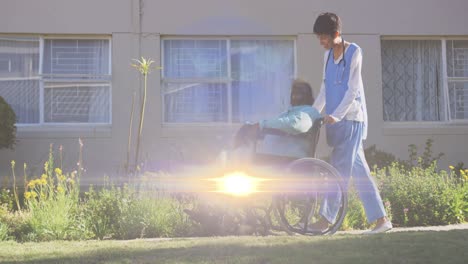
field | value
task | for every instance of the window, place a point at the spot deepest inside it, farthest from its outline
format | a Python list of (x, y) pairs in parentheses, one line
[(226, 80), (457, 75), (19, 77), (65, 81), (425, 80)]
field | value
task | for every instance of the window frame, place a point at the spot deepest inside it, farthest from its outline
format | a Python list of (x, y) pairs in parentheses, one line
[(445, 78), (228, 80), (42, 124)]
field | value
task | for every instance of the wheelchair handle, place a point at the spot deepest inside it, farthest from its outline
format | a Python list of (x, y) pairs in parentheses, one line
[(320, 120)]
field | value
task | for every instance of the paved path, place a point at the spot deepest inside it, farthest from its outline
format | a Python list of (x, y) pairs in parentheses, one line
[(415, 229), (353, 232)]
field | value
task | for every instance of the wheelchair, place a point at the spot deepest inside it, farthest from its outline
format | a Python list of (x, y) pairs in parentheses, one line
[(302, 186), (299, 207)]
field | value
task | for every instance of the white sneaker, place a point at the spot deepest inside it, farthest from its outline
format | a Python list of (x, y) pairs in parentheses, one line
[(381, 229)]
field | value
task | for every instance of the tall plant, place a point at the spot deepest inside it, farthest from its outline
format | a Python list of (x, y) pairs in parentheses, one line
[(144, 67)]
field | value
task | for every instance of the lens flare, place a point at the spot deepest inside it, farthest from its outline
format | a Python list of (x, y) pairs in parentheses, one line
[(237, 183)]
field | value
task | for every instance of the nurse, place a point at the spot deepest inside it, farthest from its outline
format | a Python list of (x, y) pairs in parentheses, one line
[(342, 95)]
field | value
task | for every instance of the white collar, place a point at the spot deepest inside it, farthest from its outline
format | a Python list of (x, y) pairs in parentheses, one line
[(341, 56)]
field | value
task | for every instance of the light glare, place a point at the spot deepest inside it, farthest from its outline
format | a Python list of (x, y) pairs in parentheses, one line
[(237, 183)]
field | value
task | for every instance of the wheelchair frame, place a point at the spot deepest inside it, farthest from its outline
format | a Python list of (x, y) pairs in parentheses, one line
[(312, 135)]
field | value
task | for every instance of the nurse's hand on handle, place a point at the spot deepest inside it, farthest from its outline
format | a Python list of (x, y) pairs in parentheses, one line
[(328, 119)]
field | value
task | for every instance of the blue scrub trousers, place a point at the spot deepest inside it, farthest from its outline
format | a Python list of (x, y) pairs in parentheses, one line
[(348, 158)]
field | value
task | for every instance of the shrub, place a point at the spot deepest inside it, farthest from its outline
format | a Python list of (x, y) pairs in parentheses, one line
[(52, 200), (16, 224), (102, 210), (6, 198), (422, 196), (3, 232), (460, 171), (20, 227), (378, 158), (53, 210), (147, 217), (7, 125), (119, 212)]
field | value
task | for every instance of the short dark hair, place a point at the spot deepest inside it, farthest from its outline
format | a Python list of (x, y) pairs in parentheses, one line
[(302, 87), (327, 23)]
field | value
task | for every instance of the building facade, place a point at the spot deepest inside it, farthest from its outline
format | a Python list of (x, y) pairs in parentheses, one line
[(65, 69)]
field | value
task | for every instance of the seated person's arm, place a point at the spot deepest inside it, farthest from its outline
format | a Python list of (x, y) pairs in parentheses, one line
[(291, 122)]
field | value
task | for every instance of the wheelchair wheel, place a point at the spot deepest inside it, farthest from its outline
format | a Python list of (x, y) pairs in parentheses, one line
[(298, 209)]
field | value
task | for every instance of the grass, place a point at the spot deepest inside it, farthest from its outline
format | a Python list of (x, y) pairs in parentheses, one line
[(404, 247)]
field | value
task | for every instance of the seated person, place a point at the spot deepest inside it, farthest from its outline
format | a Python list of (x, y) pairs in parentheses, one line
[(296, 120)]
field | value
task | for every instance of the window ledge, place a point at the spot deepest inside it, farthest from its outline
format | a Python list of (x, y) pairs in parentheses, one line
[(425, 128), (197, 130), (64, 131)]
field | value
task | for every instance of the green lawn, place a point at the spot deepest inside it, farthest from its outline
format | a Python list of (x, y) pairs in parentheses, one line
[(405, 247)]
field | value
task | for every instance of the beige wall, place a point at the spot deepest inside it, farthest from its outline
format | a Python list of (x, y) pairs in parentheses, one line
[(69, 16), (241, 17), (105, 147), (420, 17)]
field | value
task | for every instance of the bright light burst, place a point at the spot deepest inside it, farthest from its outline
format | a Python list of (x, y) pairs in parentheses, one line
[(237, 183)]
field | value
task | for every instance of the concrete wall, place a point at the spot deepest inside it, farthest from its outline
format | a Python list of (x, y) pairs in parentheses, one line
[(136, 28)]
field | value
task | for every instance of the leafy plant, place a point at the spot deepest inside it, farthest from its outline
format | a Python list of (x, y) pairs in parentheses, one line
[(426, 159), (379, 158), (423, 195), (460, 171), (7, 125), (52, 200)]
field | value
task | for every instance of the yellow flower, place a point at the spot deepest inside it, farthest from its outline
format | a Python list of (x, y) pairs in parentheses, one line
[(60, 189), (143, 65), (43, 181), (31, 184), (58, 171), (34, 194), (71, 181), (12, 163), (44, 176), (451, 167), (27, 195)]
